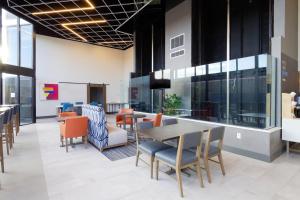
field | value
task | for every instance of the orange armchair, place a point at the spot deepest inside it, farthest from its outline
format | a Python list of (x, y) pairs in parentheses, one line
[(156, 120), (72, 128), (67, 114), (119, 117)]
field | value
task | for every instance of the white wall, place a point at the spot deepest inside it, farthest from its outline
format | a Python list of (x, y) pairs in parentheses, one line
[(178, 21), (59, 60), (128, 64)]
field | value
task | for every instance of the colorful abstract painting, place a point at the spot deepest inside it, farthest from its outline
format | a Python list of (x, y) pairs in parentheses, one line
[(49, 91)]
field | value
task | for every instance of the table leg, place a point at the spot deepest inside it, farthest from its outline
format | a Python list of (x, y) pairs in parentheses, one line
[(172, 171), (124, 122), (288, 147)]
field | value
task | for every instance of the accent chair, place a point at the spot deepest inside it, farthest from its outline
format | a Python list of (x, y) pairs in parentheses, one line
[(120, 117), (156, 120), (73, 128)]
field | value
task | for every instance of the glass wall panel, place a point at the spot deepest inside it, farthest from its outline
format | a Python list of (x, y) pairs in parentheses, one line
[(26, 44), (9, 49), (140, 94), (26, 114), (10, 89), (201, 92)]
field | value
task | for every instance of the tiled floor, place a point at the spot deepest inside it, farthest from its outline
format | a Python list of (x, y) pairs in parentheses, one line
[(39, 169)]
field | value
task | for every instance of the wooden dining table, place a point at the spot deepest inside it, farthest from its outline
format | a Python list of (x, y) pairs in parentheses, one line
[(174, 131)]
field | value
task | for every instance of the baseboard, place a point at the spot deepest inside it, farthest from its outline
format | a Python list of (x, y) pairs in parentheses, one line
[(46, 117), (250, 154)]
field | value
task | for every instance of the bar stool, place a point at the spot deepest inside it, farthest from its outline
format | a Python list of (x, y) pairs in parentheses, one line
[(1, 143), (17, 118), (11, 127), (5, 132)]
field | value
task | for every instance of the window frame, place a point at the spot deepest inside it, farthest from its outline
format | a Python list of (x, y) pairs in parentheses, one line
[(17, 69)]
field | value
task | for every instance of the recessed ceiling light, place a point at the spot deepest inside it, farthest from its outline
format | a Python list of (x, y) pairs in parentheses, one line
[(89, 7)]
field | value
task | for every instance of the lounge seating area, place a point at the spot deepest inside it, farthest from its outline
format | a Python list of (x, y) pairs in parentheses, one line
[(149, 99)]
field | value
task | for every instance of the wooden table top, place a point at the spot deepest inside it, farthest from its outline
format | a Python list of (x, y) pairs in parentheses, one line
[(164, 133)]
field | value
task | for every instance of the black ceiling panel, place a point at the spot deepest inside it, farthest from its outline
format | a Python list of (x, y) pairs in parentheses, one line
[(90, 21)]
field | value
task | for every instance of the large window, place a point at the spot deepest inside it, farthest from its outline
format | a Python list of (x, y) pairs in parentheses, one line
[(17, 64), (26, 43), (9, 33)]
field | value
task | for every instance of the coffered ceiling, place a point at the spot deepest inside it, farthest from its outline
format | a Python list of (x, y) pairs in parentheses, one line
[(91, 21)]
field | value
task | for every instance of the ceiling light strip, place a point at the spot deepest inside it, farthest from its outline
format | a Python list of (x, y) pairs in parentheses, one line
[(74, 33), (113, 42), (90, 7), (101, 26), (65, 25), (84, 22)]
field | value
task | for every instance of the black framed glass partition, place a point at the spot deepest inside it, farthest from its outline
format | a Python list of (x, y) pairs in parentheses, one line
[(202, 94), (17, 66)]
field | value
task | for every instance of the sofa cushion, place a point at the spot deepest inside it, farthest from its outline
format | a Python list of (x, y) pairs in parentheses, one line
[(116, 136)]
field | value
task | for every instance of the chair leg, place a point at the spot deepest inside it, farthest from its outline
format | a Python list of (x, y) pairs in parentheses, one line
[(199, 173), (7, 140), (10, 136), (86, 141), (12, 131), (221, 163), (137, 158), (207, 169), (66, 139), (1, 154), (179, 180), (62, 140), (157, 169), (18, 123), (151, 164)]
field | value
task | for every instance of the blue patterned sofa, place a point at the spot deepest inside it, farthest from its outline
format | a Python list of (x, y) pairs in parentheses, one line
[(100, 134)]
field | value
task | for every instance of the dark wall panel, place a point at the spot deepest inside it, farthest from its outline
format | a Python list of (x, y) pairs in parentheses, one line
[(143, 50), (214, 26), (149, 32), (159, 43), (250, 27), (251, 31)]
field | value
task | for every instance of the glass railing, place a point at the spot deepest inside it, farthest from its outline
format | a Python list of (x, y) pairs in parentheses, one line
[(239, 92)]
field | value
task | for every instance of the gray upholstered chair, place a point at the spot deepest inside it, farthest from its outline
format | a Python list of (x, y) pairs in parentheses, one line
[(212, 148), (148, 147), (169, 121), (181, 158), (1, 142)]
